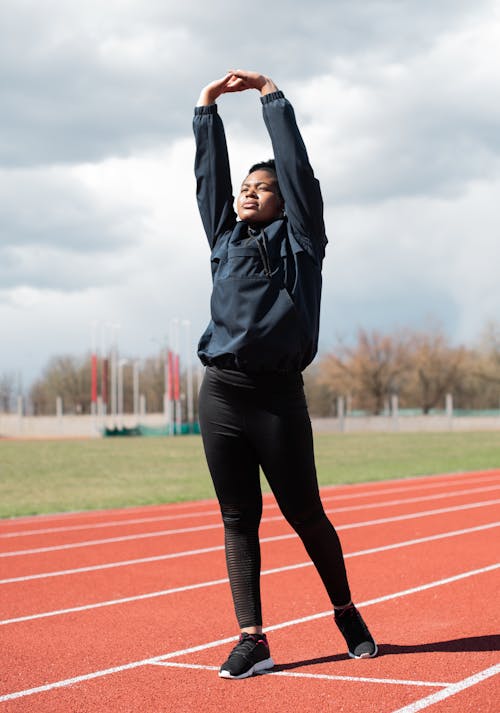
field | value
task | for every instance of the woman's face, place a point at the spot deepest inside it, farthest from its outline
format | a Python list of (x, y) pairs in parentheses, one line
[(259, 200)]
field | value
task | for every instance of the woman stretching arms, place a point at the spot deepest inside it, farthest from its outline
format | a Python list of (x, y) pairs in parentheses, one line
[(266, 270)]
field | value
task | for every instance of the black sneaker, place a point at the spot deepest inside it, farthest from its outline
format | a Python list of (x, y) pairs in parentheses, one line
[(354, 630), (250, 655)]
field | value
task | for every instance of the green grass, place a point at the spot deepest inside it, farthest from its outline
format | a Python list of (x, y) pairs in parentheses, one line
[(56, 476)]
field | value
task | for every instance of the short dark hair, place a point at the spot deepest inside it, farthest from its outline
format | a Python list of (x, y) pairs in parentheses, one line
[(270, 167)]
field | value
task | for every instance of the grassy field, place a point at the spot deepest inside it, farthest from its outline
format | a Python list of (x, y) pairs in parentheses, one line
[(56, 476)]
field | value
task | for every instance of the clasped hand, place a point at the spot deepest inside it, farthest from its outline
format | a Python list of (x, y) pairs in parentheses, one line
[(236, 80)]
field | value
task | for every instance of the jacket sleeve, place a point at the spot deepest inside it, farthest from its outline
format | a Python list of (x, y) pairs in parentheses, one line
[(213, 179), (299, 188)]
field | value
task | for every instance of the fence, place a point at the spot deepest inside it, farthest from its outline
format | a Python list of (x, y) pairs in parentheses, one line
[(66, 426)]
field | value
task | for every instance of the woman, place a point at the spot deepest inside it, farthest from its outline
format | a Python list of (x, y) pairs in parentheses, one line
[(266, 270)]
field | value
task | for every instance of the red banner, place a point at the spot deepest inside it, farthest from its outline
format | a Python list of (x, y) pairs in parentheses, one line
[(177, 385), (170, 379)]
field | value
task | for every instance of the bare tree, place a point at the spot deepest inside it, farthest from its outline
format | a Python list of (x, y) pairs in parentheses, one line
[(7, 391), (489, 350), (437, 368), (321, 397), (67, 377), (152, 383), (371, 370), (484, 370)]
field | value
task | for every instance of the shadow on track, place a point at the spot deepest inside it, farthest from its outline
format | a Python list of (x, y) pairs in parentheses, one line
[(490, 642)]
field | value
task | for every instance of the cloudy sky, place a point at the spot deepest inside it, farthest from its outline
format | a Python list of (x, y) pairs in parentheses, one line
[(399, 105)]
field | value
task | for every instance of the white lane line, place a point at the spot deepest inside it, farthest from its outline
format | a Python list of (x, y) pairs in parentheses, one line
[(444, 477), (109, 523), (111, 565), (207, 550), (451, 690), (403, 491), (420, 499), (271, 506), (185, 530), (406, 484), (108, 540), (319, 676), (212, 583), (220, 642), (384, 598), (114, 602), (75, 679)]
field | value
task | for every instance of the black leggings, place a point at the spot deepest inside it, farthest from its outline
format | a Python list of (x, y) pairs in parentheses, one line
[(247, 423)]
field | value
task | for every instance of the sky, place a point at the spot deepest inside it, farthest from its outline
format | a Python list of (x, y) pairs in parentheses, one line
[(398, 102)]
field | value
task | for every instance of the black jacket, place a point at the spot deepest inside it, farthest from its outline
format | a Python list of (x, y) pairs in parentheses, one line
[(266, 289)]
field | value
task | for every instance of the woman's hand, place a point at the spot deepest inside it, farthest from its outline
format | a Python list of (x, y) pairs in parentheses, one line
[(212, 91), (238, 80), (243, 79)]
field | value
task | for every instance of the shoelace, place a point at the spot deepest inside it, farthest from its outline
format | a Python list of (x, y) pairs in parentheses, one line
[(246, 644)]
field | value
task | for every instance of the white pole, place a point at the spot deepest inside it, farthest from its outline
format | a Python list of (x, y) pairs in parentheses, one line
[(93, 347), (395, 412), (340, 412), (114, 372), (121, 364), (174, 344), (20, 413), (59, 413), (104, 368), (189, 372), (449, 410), (178, 405), (136, 390)]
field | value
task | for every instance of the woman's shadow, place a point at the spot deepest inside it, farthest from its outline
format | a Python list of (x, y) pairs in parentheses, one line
[(490, 642)]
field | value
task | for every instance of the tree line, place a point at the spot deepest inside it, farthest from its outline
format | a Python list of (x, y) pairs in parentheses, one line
[(419, 367)]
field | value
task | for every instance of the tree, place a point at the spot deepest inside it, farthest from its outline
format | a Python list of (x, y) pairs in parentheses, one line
[(436, 368), (370, 371), (485, 368), (321, 398), (67, 377), (489, 348), (152, 383), (7, 390)]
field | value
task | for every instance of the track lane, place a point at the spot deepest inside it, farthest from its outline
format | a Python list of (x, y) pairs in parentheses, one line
[(355, 538), (148, 686), (13, 527), (138, 628), (469, 498), (286, 586), (93, 589)]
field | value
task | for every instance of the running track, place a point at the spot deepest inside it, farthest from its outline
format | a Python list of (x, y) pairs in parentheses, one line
[(129, 610)]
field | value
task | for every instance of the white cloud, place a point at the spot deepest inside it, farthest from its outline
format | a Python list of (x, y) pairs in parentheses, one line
[(423, 127), (399, 106)]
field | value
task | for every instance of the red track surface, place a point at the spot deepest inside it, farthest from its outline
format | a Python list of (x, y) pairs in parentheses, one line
[(129, 611)]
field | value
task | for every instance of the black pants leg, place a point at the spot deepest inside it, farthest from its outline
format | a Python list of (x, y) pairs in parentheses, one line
[(234, 468), (267, 425)]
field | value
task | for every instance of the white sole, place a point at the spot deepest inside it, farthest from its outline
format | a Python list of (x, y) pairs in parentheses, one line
[(365, 656), (259, 667)]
